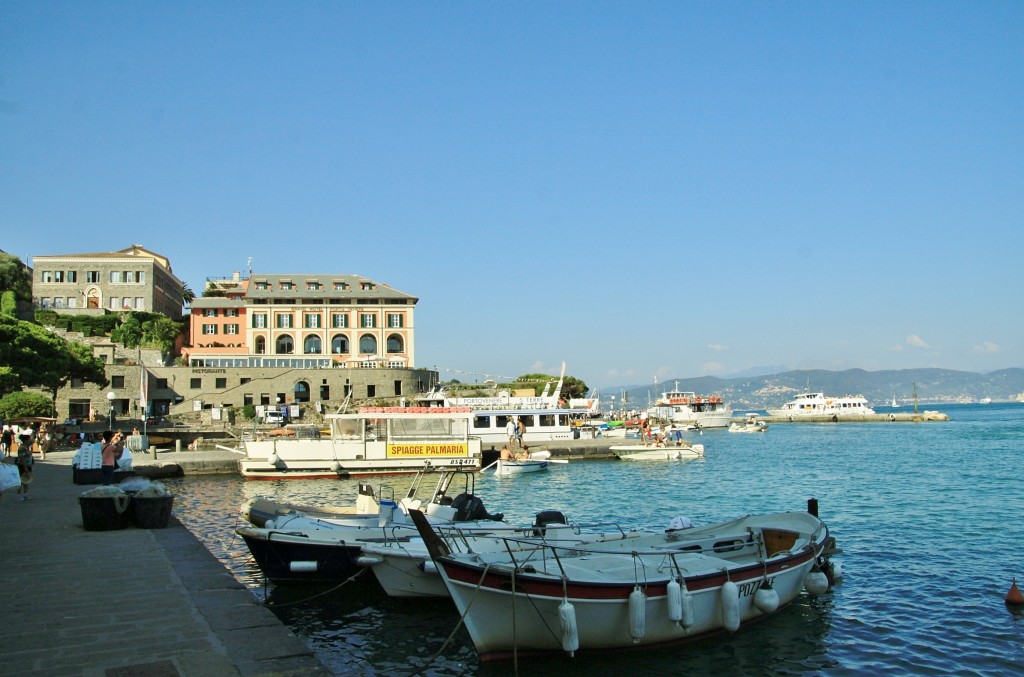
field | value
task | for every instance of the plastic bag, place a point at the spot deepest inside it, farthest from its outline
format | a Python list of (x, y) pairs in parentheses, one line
[(9, 477)]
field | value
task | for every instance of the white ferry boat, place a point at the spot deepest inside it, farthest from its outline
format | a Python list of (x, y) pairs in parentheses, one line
[(542, 426), (374, 441), (819, 404), (689, 408)]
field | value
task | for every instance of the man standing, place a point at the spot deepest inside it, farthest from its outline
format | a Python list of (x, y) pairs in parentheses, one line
[(511, 429)]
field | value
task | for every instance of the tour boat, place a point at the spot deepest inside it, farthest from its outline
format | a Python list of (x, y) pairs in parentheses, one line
[(374, 441), (652, 590), (689, 408), (819, 404)]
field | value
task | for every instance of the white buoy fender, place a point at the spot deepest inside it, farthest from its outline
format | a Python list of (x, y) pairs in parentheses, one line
[(766, 599), (674, 600), (687, 620), (302, 566), (427, 566), (335, 466), (730, 597), (637, 614), (273, 459), (816, 582), (570, 635), (836, 571)]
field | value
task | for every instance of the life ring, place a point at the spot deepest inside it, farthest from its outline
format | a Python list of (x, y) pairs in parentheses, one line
[(892, 417)]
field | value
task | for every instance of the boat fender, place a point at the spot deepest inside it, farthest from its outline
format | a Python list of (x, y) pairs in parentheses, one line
[(730, 598), (835, 572), (687, 619), (766, 599), (427, 566), (637, 614), (816, 582), (273, 459), (1014, 599), (270, 525), (674, 599), (302, 567), (369, 560), (335, 466), (570, 634)]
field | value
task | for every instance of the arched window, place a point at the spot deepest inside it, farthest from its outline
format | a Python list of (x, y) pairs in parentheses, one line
[(285, 346), (368, 344), (261, 345), (339, 344), (395, 344), (302, 392), (312, 345)]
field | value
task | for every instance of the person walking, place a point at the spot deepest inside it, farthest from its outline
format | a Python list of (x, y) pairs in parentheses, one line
[(25, 463), (111, 451), (511, 429), (6, 439)]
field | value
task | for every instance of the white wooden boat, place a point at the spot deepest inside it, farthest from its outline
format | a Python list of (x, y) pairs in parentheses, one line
[(374, 441), (639, 452), (652, 590), (752, 423), (504, 468)]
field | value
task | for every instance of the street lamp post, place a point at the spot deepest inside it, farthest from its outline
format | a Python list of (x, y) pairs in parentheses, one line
[(110, 400)]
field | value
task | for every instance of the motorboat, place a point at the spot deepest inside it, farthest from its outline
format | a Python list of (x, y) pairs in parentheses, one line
[(689, 408), (819, 404), (404, 567), (304, 546), (374, 441), (640, 452), (666, 587), (506, 467), (751, 423)]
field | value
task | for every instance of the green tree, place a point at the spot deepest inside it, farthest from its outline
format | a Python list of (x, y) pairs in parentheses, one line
[(187, 295), (15, 277), (34, 357), (573, 387), (161, 333), (16, 405), (8, 303)]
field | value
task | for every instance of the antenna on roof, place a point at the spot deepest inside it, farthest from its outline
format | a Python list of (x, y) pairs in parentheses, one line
[(248, 264)]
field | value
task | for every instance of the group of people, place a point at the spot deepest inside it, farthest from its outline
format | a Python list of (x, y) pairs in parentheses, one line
[(515, 428), (664, 437), (17, 441)]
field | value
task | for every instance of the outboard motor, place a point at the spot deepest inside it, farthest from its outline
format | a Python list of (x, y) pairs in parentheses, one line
[(469, 508), (545, 518)]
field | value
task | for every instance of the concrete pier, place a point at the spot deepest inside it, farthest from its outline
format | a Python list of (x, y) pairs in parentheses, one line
[(125, 603)]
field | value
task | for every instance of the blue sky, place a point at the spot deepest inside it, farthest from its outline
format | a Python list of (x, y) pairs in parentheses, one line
[(640, 189)]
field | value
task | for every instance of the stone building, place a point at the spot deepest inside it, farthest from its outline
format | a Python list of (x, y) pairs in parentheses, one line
[(130, 279)]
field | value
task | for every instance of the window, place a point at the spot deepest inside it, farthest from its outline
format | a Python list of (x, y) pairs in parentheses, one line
[(209, 329), (398, 388), (366, 286), (58, 302), (117, 381), (312, 345), (371, 391), (140, 277), (339, 345), (368, 345), (92, 276), (312, 320), (262, 286), (339, 320), (284, 321), (261, 345), (231, 329), (72, 276), (340, 286), (242, 381), (114, 302), (367, 320), (285, 346), (220, 383), (287, 285), (58, 276), (231, 312), (210, 312), (46, 276), (72, 302), (394, 320), (259, 320), (140, 304), (313, 286), (196, 383), (394, 344), (46, 302)]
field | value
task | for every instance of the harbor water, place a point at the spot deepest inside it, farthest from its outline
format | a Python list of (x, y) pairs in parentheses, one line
[(929, 516)]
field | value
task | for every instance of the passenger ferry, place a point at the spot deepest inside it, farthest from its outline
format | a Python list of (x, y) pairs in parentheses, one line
[(374, 441), (819, 404), (689, 408), (542, 426)]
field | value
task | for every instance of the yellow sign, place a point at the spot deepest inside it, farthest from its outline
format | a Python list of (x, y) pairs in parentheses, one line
[(429, 450)]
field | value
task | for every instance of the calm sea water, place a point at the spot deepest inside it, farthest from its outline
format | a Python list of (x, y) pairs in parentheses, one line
[(930, 517)]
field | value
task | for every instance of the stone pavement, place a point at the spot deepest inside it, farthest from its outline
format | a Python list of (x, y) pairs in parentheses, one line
[(125, 603)]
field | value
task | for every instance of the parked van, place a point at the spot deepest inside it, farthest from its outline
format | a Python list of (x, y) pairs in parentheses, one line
[(273, 417)]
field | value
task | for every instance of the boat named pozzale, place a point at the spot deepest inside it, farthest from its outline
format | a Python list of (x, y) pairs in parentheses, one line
[(819, 404), (374, 441), (665, 587), (689, 408)]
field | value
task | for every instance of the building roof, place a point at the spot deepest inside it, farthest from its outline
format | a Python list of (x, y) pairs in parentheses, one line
[(356, 287)]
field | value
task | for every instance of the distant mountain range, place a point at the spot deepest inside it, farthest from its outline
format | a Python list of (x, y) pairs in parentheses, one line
[(933, 386)]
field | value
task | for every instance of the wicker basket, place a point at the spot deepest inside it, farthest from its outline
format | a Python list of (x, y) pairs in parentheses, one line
[(104, 513), (151, 512)]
